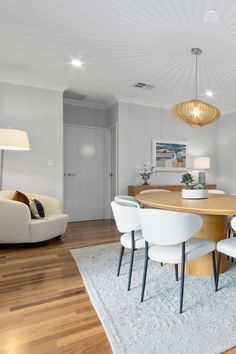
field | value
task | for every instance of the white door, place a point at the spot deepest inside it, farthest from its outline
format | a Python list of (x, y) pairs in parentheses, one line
[(113, 161), (84, 173)]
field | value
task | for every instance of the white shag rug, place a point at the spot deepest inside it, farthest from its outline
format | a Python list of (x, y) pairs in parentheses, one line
[(207, 325)]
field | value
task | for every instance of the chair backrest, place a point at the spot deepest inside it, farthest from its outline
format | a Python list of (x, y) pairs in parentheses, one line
[(233, 223), (163, 227), (215, 191), (127, 200), (126, 217), (153, 190)]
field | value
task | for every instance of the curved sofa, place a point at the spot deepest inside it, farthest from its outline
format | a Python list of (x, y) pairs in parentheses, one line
[(17, 225)]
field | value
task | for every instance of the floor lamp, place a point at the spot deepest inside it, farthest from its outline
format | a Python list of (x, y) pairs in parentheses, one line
[(11, 139)]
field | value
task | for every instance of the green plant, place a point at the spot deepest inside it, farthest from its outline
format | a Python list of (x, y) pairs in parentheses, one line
[(187, 180)]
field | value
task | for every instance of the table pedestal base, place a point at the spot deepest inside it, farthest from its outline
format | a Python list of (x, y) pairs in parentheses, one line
[(214, 228)]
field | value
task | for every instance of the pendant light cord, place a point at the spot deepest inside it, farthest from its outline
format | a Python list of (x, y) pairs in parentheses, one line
[(196, 79)]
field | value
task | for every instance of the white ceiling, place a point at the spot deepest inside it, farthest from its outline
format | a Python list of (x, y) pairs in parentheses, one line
[(121, 42)]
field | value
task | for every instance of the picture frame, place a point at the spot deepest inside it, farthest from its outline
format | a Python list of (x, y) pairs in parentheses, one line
[(169, 155)]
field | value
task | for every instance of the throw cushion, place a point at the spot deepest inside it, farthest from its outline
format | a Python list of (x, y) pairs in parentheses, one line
[(20, 197), (36, 209)]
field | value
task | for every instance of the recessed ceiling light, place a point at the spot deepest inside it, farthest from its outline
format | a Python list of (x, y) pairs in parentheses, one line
[(77, 63), (209, 93)]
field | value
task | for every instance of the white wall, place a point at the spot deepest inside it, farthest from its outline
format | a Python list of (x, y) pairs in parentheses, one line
[(226, 152), (138, 124), (40, 113), (84, 116), (113, 115)]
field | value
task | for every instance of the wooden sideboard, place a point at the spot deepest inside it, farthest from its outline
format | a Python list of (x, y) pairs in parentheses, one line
[(136, 189)]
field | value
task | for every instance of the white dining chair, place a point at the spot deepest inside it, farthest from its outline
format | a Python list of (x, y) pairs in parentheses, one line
[(153, 190), (227, 247), (173, 244), (126, 198), (127, 222), (230, 229), (215, 191)]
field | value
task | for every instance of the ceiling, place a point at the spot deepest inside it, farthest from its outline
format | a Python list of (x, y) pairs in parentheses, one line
[(121, 43)]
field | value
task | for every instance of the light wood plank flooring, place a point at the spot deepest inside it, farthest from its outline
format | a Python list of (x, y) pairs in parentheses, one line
[(44, 305)]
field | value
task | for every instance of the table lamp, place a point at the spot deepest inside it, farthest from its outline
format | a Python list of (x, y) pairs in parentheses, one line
[(201, 164), (11, 139)]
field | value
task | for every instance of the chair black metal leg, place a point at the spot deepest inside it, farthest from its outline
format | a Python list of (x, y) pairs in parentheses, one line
[(144, 271), (176, 272), (218, 271), (214, 267), (182, 279), (120, 259), (131, 259), (229, 235)]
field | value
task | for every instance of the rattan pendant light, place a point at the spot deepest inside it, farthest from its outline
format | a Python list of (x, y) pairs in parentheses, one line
[(195, 112)]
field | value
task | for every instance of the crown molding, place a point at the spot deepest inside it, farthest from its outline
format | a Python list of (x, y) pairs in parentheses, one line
[(84, 103), (36, 84), (142, 102)]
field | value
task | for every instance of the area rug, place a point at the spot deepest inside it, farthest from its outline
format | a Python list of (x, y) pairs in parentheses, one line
[(207, 326)]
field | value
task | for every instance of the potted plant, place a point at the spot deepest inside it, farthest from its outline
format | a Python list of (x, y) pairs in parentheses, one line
[(145, 172), (191, 190)]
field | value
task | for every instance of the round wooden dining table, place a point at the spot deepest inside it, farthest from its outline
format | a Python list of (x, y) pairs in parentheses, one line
[(214, 211)]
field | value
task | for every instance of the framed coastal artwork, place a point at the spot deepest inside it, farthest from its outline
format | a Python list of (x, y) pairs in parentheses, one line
[(169, 155)]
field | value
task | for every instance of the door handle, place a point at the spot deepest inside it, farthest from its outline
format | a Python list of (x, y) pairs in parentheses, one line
[(71, 174)]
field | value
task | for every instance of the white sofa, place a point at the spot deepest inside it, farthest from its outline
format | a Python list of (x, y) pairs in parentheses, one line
[(16, 225)]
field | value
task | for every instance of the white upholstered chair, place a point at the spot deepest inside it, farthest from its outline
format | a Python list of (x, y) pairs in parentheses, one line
[(17, 225), (215, 191), (126, 198), (127, 222), (173, 244), (153, 190), (228, 247)]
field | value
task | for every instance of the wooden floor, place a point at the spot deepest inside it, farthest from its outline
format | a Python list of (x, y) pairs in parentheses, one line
[(44, 305)]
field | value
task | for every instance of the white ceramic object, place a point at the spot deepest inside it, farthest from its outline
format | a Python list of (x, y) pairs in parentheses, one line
[(194, 193)]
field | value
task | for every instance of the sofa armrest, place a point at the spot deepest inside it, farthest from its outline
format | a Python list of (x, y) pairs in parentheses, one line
[(14, 220), (51, 204)]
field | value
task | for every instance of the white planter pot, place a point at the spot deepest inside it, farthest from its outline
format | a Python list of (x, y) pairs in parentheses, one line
[(194, 193)]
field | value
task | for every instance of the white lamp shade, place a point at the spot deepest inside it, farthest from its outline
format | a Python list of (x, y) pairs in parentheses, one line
[(201, 163), (11, 139)]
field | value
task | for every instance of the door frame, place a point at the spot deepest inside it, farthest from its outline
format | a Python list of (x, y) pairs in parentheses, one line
[(115, 126), (104, 167)]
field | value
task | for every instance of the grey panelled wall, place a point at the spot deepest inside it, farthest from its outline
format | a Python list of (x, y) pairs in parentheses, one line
[(138, 124), (39, 112), (226, 153), (84, 116)]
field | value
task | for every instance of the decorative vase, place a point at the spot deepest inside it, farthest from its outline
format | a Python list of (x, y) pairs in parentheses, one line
[(146, 178), (194, 193)]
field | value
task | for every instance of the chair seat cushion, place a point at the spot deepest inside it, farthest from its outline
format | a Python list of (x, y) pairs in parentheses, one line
[(194, 248), (138, 238), (227, 246)]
